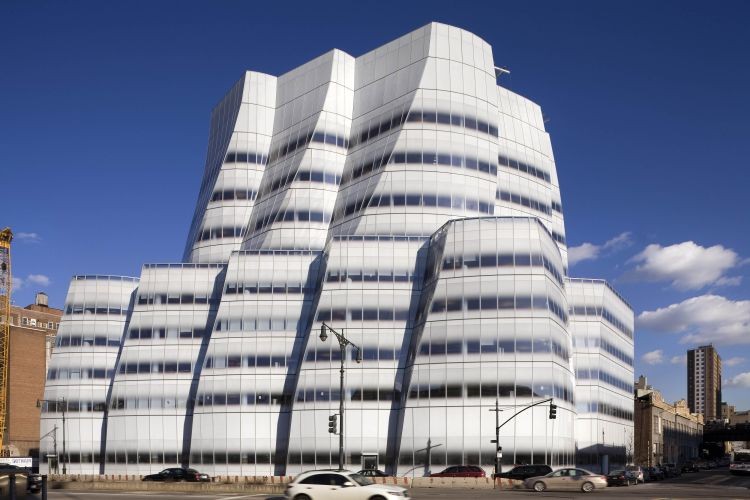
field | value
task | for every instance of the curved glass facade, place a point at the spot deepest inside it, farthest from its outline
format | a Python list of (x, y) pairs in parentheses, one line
[(403, 198)]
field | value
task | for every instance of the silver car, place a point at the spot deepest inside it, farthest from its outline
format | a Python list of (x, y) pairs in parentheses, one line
[(340, 485), (567, 479), (637, 472)]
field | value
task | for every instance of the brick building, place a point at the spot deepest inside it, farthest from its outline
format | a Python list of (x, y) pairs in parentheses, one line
[(740, 417), (664, 433), (32, 334)]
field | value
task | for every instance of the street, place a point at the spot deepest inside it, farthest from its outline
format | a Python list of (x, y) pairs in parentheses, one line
[(706, 484)]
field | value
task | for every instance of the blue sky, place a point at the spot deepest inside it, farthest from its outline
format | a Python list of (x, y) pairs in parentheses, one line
[(104, 116)]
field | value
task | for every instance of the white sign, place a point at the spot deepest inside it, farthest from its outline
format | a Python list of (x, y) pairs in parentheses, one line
[(18, 461)]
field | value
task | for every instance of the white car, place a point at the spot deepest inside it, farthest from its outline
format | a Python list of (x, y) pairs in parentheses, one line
[(340, 485)]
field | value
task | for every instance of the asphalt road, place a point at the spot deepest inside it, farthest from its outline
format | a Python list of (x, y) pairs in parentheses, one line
[(707, 484)]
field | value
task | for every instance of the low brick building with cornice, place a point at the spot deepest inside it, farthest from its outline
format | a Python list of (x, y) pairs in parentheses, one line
[(664, 432)]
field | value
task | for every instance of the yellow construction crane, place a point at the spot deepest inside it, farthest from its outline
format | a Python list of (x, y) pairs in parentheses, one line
[(6, 285)]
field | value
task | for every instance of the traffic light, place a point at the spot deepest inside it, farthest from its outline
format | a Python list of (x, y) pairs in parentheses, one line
[(332, 424), (552, 411)]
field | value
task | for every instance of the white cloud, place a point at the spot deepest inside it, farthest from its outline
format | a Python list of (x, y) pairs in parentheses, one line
[(28, 237), (733, 361), (590, 251), (679, 360), (38, 280), (741, 380), (686, 266), (16, 283), (729, 281), (653, 357), (585, 251), (702, 320)]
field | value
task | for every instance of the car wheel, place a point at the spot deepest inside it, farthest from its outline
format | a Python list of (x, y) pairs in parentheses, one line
[(539, 486), (377, 497), (302, 496), (587, 487)]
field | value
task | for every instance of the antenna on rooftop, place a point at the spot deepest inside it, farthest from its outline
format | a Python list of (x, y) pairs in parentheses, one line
[(499, 71)]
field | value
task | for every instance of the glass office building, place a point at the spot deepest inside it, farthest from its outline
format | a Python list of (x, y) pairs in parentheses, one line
[(402, 197)]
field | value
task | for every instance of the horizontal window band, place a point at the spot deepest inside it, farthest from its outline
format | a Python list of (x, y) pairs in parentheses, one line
[(423, 116), (419, 158), (246, 157), (524, 167), (234, 194), (498, 260), (414, 200), (501, 302), (95, 309), (220, 232), (603, 313), (525, 201), (62, 340)]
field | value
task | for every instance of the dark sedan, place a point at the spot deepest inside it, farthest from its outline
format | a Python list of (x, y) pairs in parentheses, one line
[(178, 474), (461, 471), (522, 472), (620, 477), (690, 467), (33, 481), (653, 474), (372, 473)]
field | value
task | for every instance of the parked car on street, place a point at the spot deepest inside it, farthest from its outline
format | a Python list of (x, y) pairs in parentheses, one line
[(344, 485), (739, 463), (23, 475), (178, 474), (621, 477), (461, 471), (689, 467), (567, 479), (372, 473), (653, 474), (522, 472), (637, 472), (671, 470)]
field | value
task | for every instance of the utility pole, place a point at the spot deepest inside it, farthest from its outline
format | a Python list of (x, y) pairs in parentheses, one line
[(65, 455), (54, 450), (58, 403), (498, 448), (428, 455), (341, 406), (343, 342)]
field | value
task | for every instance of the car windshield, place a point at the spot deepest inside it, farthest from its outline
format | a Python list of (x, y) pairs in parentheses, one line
[(742, 456), (361, 480)]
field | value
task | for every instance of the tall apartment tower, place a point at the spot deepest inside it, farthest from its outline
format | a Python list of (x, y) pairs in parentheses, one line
[(704, 381)]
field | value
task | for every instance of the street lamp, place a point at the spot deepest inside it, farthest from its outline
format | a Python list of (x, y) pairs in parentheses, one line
[(496, 441), (54, 446), (343, 342), (64, 407)]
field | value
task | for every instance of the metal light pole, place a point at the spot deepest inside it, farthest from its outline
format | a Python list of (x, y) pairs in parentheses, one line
[(498, 448), (64, 408), (54, 445), (343, 342)]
